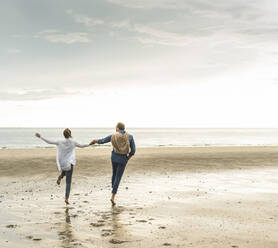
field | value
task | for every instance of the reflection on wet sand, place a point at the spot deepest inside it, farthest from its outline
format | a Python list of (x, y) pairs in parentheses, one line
[(66, 235), (118, 230), (117, 227)]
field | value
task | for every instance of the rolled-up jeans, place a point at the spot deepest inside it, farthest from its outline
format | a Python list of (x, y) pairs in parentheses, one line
[(68, 175), (118, 171)]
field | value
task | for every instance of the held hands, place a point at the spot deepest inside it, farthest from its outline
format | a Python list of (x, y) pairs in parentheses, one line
[(38, 135), (93, 142)]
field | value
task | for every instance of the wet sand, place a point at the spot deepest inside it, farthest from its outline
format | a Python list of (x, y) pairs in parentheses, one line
[(169, 197)]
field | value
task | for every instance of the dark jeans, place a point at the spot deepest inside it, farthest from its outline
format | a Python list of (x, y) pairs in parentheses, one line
[(118, 171), (68, 175)]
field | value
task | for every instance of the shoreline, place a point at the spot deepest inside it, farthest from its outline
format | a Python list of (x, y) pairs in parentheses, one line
[(147, 147)]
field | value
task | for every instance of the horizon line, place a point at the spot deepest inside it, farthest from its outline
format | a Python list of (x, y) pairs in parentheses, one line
[(145, 127)]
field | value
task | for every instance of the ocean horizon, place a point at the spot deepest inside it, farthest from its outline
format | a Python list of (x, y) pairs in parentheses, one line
[(20, 138)]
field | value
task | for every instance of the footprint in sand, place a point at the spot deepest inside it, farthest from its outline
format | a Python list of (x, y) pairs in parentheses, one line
[(106, 234), (167, 244), (36, 239), (11, 226), (77, 244), (116, 241), (96, 224), (142, 221)]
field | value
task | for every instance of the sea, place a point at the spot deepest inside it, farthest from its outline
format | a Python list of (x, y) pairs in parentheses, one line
[(20, 138)]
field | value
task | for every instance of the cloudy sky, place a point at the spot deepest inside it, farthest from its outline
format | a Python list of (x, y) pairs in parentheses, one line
[(158, 63)]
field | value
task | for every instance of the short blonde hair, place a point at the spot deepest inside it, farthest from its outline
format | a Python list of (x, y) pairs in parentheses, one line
[(121, 126)]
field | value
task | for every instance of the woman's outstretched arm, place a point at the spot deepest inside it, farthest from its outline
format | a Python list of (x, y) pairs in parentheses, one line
[(46, 140), (81, 145)]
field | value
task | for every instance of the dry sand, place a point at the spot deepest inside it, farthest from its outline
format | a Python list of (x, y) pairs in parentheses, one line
[(176, 197)]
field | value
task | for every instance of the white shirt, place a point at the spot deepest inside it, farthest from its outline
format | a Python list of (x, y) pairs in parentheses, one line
[(65, 152)]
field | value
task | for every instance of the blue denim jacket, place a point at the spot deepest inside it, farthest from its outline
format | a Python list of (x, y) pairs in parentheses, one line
[(119, 158)]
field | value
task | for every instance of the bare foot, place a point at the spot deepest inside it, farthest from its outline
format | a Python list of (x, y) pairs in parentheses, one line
[(59, 179), (113, 203), (67, 201)]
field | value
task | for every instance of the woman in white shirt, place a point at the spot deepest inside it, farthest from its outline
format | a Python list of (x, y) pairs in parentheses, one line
[(65, 158)]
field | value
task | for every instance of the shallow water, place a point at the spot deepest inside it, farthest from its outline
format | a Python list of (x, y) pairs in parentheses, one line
[(145, 137)]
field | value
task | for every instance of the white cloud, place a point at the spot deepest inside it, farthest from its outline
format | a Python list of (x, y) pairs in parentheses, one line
[(48, 31), (147, 4), (37, 94), (87, 21), (150, 35), (250, 22), (121, 24), (54, 36), (157, 36), (84, 19)]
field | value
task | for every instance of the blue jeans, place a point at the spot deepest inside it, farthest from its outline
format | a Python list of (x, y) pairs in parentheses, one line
[(118, 171), (68, 175)]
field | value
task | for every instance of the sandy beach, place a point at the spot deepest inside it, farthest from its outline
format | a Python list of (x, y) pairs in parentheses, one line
[(168, 197)]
